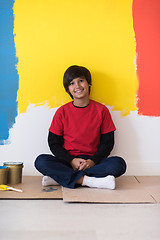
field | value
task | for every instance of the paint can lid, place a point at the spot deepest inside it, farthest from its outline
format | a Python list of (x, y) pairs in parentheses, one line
[(3, 167), (13, 163)]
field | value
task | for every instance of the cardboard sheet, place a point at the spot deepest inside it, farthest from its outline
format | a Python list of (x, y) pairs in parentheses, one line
[(152, 185), (32, 189), (128, 190)]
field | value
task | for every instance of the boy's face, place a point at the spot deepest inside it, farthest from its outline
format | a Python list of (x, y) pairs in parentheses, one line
[(79, 88)]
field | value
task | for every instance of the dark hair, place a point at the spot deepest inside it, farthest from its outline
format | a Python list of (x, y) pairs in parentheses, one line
[(75, 72)]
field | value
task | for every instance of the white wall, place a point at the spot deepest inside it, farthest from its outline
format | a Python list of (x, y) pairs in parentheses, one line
[(136, 140)]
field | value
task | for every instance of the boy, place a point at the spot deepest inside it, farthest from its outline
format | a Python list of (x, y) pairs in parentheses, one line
[(81, 137)]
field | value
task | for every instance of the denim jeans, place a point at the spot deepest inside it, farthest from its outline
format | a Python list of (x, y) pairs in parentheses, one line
[(63, 173)]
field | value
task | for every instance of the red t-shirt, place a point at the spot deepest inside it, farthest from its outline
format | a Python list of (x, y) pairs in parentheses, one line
[(81, 128)]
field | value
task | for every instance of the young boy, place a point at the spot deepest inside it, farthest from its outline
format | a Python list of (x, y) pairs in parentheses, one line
[(81, 137)]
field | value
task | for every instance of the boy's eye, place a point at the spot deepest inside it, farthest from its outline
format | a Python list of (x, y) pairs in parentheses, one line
[(81, 80), (71, 83)]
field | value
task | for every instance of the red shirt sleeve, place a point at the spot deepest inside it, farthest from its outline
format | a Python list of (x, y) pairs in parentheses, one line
[(107, 122), (57, 123)]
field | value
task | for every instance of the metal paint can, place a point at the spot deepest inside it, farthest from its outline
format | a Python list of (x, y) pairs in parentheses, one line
[(3, 174), (14, 172)]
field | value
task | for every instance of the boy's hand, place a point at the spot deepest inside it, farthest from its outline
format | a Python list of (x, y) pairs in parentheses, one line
[(77, 163), (81, 164), (89, 164)]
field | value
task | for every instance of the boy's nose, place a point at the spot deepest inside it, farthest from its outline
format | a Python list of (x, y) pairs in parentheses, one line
[(77, 84)]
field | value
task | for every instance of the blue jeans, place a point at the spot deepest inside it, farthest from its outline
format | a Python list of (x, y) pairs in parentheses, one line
[(63, 173)]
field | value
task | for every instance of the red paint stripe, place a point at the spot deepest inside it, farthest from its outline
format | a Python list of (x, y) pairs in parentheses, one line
[(146, 23)]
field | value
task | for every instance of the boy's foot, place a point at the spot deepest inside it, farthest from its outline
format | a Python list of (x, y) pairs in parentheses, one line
[(106, 182), (47, 181)]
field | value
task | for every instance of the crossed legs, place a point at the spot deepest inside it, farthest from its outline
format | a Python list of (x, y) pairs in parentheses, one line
[(102, 175)]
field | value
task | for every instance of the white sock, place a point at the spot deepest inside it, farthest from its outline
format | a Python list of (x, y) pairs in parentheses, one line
[(105, 182), (47, 181)]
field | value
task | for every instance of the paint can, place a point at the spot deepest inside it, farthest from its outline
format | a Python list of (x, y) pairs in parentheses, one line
[(3, 174), (14, 172)]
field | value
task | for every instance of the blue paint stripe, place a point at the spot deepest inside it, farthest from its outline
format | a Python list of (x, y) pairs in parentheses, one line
[(8, 73)]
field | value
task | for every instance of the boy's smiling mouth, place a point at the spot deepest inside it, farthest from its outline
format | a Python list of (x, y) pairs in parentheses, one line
[(78, 91)]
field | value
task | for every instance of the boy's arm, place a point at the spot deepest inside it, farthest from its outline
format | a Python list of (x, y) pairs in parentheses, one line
[(55, 143), (104, 148)]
